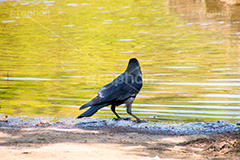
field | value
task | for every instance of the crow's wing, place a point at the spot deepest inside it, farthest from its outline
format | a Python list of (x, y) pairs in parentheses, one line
[(111, 92), (119, 89)]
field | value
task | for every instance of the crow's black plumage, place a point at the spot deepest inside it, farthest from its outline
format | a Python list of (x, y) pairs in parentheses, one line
[(122, 90)]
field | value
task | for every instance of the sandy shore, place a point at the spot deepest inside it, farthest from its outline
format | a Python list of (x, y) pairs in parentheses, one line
[(54, 143)]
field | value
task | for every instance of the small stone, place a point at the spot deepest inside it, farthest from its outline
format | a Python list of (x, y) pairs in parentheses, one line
[(220, 121), (198, 123), (26, 152), (111, 134)]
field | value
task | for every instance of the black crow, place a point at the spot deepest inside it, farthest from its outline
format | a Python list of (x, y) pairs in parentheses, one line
[(122, 90)]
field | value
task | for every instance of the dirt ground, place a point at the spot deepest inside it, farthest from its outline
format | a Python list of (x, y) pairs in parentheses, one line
[(53, 143)]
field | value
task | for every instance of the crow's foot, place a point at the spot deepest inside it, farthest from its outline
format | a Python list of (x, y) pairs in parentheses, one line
[(141, 121), (119, 119)]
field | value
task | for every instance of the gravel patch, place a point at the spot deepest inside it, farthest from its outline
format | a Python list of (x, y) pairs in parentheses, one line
[(164, 128)]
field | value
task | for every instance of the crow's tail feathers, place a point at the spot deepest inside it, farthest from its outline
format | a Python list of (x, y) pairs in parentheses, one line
[(91, 111), (94, 101), (84, 106)]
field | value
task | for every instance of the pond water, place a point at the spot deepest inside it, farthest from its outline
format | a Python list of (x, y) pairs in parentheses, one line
[(56, 55)]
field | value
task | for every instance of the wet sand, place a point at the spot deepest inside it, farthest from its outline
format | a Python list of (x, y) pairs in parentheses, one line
[(56, 143)]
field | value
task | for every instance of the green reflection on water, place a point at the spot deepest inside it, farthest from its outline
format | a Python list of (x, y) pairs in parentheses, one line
[(66, 50)]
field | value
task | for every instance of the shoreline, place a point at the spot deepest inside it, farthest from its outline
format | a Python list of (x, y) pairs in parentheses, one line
[(145, 127)]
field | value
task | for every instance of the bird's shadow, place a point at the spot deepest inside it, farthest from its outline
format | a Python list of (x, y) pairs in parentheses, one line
[(129, 119), (120, 120)]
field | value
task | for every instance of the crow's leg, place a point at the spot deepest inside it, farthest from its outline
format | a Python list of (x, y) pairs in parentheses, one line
[(113, 110), (128, 103), (129, 111)]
